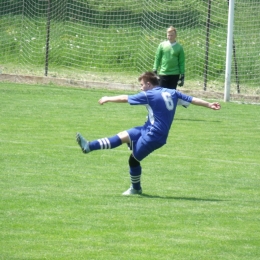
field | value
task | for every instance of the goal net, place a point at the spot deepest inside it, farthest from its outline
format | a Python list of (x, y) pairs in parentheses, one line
[(115, 40)]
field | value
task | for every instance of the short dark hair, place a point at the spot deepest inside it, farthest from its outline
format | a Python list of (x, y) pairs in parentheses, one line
[(149, 77)]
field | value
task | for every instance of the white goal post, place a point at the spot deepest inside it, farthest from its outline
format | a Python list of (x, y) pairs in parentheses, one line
[(229, 50)]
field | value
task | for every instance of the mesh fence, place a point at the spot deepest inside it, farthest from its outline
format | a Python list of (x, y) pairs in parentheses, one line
[(116, 40)]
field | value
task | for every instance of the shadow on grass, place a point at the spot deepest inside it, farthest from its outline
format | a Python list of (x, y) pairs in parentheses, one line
[(177, 198)]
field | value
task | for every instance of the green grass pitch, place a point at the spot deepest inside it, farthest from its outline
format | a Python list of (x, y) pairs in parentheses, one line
[(201, 190)]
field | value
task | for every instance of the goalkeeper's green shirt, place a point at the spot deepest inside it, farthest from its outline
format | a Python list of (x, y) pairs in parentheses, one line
[(170, 59)]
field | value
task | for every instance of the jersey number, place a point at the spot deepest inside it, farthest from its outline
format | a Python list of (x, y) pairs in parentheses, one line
[(168, 100)]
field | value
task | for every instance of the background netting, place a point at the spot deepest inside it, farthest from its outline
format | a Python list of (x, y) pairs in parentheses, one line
[(116, 40)]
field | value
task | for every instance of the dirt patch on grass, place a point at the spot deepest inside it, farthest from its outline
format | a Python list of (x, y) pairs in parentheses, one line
[(119, 86)]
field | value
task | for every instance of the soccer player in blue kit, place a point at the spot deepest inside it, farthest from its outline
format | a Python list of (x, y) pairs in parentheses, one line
[(142, 140)]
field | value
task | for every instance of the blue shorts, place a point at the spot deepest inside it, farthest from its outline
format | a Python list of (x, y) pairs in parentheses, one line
[(142, 145)]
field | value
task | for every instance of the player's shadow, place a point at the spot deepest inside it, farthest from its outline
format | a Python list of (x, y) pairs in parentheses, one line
[(177, 198)]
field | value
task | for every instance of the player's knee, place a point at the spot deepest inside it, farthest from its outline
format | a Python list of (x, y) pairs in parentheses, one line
[(133, 162), (124, 137)]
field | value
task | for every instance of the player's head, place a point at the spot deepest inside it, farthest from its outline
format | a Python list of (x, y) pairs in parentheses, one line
[(171, 34), (148, 80)]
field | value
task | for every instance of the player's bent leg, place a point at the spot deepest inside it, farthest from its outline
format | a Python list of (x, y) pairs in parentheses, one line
[(101, 143)]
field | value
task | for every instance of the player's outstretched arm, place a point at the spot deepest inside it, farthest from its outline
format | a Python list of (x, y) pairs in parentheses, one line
[(116, 99), (203, 103)]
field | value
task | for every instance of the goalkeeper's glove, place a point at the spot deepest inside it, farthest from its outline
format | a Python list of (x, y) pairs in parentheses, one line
[(181, 80)]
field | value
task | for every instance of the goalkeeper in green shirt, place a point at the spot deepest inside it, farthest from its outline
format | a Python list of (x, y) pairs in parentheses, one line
[(169, 61)]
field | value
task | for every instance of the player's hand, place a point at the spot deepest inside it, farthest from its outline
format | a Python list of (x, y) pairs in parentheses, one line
[(102, 100), (155, 72), (181, 80), (215, 106)]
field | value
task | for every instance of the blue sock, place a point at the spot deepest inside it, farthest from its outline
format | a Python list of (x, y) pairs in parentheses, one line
[(135, 176), (105, 143)]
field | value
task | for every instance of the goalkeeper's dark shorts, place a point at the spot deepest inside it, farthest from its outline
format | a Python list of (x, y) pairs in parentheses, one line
[(168, 81)]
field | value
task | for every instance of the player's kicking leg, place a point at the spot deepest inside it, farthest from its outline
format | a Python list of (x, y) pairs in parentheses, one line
[(102, 143)]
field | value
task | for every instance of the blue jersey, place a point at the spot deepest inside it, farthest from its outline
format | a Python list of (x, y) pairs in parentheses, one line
[(161, 104)]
